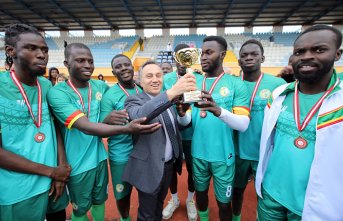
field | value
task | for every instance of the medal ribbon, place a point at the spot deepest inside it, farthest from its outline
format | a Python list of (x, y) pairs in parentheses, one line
[(313, 110), (214, 83), (81, 100), (37, 122), (125, 91), (255, 89)]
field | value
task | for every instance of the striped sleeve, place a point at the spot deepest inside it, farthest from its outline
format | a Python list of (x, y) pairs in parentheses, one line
[(73, 118), (241, 110)]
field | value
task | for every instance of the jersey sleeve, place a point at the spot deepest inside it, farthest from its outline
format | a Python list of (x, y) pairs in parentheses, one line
[(64, 110), (106, 105), (241, 99)]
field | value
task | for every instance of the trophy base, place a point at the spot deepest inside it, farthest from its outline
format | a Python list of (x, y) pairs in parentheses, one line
[(191, 97)]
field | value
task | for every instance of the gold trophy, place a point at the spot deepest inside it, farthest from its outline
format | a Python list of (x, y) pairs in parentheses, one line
[(188, 57)]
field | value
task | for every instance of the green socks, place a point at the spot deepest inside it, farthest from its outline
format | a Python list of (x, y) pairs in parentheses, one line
[(203, 215), (125, 219), (98, 212), (79, 218), (236, 218)]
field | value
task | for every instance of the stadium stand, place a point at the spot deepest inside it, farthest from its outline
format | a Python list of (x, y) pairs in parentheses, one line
[(105, 47)]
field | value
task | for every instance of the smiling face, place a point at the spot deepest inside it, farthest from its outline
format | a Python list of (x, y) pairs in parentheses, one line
[(314, 55), (250, 58), (151, 79), (80, 64), (123, 70), (30, 54)]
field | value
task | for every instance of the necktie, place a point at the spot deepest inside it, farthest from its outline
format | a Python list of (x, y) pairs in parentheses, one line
[(171, 133)]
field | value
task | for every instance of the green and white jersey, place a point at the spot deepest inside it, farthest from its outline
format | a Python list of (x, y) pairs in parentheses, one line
[(213, 139), (288, 170), (248, 142), (17, 133), (340, 75), (168, 81), (84, 152), (119, 146)]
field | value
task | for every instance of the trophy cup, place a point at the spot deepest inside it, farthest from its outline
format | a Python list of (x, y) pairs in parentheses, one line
[(188, 57)]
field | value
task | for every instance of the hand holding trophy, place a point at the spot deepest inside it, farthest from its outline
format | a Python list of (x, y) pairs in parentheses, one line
[(188, 57)]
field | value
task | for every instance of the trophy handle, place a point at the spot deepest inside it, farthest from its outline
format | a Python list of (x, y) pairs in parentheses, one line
[(175, 58)]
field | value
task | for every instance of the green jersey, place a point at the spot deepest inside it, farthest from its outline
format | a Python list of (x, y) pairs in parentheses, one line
[(213, 139), (168, 81), (84, 152), (18, 133), (288, 170), (248, 144), (119, 146), (340, 75)]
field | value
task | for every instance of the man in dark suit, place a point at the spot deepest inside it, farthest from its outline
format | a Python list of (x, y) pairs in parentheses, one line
[(156, 155)]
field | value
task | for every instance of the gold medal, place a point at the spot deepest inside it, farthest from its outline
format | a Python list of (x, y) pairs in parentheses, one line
[(300, 142), (39, 137)]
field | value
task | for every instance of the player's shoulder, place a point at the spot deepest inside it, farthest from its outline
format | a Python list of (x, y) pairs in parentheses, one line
[(100, 85), (58, 89), (233, 79), (44, 82), (170, 75), (273, 78), (97, 82), (113, 90), (5, 77)]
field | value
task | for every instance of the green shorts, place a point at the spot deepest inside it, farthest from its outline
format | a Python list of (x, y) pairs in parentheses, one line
[(88, 188), (223, 176), (60, 204), (120, 188), (32, 209), (269, 209), (243, 170)]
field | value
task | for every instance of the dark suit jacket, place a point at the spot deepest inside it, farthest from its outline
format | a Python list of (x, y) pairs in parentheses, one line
[(145, 167)]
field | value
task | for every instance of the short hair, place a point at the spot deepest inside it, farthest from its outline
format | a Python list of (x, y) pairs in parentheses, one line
[(180, 46), (50, 70), (69, 47), (143, 66), (13, 31), (220, 40), (166, 62), (12, 34), (147, 63), (324, 27), (118, 56), (252, 41)]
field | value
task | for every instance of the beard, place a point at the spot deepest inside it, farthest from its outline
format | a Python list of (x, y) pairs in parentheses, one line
[(40, 73), (313, 77), (212, 67), (34, 72)]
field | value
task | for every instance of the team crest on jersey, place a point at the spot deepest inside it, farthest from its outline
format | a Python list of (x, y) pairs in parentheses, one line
[(98, 96), (265, 93), (224, 91), (119, 188), (75, 207)]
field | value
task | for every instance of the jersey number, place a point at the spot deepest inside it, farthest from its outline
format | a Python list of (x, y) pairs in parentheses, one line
[(228, 191)]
